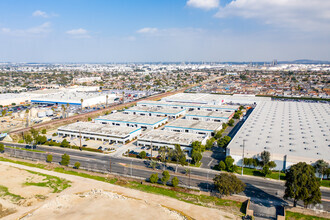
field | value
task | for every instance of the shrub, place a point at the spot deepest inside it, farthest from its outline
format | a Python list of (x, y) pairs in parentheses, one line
[(2, 148), (54, 135), (65, 160), (266, 171), (49, 158), (231, 122), (166, 177), (142, 154), (89, 119), (76, 165), (21, 141), (222, 165), (175, 181), (43, 131), (228, 184), (153, 178)]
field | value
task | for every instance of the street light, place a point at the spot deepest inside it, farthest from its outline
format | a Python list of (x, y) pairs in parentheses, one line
[(243, 156)]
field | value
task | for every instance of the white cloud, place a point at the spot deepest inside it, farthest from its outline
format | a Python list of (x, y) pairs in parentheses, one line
[(147, 30), (39, 13), (78, 33), (299, 14), (203, 4), (33, 31)]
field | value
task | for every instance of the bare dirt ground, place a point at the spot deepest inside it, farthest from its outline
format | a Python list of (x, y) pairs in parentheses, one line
[(91, 199)]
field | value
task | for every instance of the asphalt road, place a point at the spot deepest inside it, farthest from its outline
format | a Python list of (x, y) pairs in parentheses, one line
[(263, 192)]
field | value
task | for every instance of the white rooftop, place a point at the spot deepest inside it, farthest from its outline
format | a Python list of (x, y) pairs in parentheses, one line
[(93, 128), (165, 110), (121, 117), (188, 105), (299, 130), (170, 137), (210, 114), (193, 124)]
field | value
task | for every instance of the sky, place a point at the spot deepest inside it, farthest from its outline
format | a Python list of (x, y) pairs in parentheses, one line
[(164, 30)]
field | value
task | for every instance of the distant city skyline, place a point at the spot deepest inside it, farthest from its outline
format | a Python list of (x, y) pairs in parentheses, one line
[(164, 30)]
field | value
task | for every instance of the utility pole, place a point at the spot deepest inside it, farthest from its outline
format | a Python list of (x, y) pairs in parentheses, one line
[(189, 177), (131, 168), (151, 148), (207, 182), (243, 157), (110, 163)]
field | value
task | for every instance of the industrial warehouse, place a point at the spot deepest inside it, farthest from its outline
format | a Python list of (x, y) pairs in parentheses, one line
[(163, 138), (155, 111), (126, 120), (291, 131), (190, 106), (214, 116), (192, 126), (99, 132)]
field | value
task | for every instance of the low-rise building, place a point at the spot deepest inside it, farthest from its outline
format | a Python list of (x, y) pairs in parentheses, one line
[(214, 116), (189, 106), (192, 126), (163, 138), (127, 120), (155, 111), (99, 132)]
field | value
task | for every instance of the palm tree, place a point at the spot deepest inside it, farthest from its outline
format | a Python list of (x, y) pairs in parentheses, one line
[(63, 111), (81, 101), (67, 108), (162, 151)]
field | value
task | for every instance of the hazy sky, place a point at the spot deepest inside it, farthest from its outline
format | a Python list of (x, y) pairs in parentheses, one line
[(163, 30)]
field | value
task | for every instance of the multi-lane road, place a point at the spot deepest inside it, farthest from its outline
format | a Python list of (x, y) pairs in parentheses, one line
[(262, 191)]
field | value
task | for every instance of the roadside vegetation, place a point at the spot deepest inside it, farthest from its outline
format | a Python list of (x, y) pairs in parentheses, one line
[(55, 183), (175, 192), (298, 216)]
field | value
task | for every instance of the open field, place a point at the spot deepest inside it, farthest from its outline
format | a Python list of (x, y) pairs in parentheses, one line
[(103, 199)]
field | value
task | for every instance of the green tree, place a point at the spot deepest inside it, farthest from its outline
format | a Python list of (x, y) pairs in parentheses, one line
[(65, 143), (321, 167), (218, 134), (76, 165), (49, 158), (209, 143), (89, 119), (196, 157), (271, 164), (41, 139), (166, 177), (265, 158), (231, 122), (229, 161), (177, 154), (154, 178), (302, 184), (2, 148), (44, 131), (175, 181), (28, 139), (142, 154), (266, 171), (65, 160), (3, 113), (34, 133), (162, 152), (222, 165), (228, 184)]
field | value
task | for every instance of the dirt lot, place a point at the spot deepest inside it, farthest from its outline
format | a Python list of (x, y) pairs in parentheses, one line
[(91, 199)]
